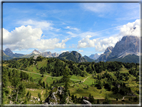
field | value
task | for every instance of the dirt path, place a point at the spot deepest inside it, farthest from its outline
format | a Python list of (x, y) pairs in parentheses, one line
[(40, 74), (85, 79), (45, 78), (42, 92), (35, 73)]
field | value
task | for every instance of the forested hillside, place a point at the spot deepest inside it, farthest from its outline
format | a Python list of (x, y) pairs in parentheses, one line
[(26, 79)]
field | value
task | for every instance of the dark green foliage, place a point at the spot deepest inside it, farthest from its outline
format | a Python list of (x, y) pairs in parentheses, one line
[(39, 58), (135, 99), (72, 56), (98, 101), (28, 95), (91, 99), (99, 84), (39, 95), (106, 101)]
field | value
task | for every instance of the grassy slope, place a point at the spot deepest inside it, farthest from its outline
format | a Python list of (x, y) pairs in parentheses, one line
[(79, 89)]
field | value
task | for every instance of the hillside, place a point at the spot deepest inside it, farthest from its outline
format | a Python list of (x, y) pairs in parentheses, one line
[(43, 78), (72, 56), (89, 59), (129, 58)]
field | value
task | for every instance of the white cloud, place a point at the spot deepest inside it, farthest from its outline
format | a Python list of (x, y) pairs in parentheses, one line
[(82, 35), (26, 37), (80, 50), (131, 29), (71, 28), (64, 51), (101, 44), (44, 25)]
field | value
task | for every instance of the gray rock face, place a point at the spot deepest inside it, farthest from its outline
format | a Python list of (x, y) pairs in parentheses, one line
[(11, 54), (104, 56), (8, 52), (35, 52), (94, 56), (49, 54), (127, 45), (78, 56)]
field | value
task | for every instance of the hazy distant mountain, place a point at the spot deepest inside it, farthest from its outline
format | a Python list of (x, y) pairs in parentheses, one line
[(35, 52), (94, 56), (9, 53), (72, 56), (49, 54), (104, 56), (44, 54), (6, 57), (89, 59)]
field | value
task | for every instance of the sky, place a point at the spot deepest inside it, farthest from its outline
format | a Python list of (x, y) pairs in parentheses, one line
[(88, 28)]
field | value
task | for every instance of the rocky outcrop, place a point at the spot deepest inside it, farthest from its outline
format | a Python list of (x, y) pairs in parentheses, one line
[(127, 45), (54, 96), (104, 56)]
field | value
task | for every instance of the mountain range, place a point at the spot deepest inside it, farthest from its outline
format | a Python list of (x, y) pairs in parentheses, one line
[(94, 56), (125, 50)]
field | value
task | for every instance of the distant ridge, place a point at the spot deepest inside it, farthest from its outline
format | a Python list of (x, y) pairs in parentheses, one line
[(72, 56), (94, 56)]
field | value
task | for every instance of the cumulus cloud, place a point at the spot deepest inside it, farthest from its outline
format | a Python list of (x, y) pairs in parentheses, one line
[(26, 37), (44, 25), (131, 29), (101, 44)]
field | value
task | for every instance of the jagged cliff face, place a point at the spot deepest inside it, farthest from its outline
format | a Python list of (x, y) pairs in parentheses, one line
[(104, 56), (127, 45)]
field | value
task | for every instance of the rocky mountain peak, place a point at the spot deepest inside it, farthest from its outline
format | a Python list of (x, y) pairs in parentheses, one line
[(94, 56), (77, 55), (8, 52), (109, 49), (35, 52), (127, 45)]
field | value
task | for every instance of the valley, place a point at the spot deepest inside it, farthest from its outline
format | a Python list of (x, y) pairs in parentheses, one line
[(98, 83)]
